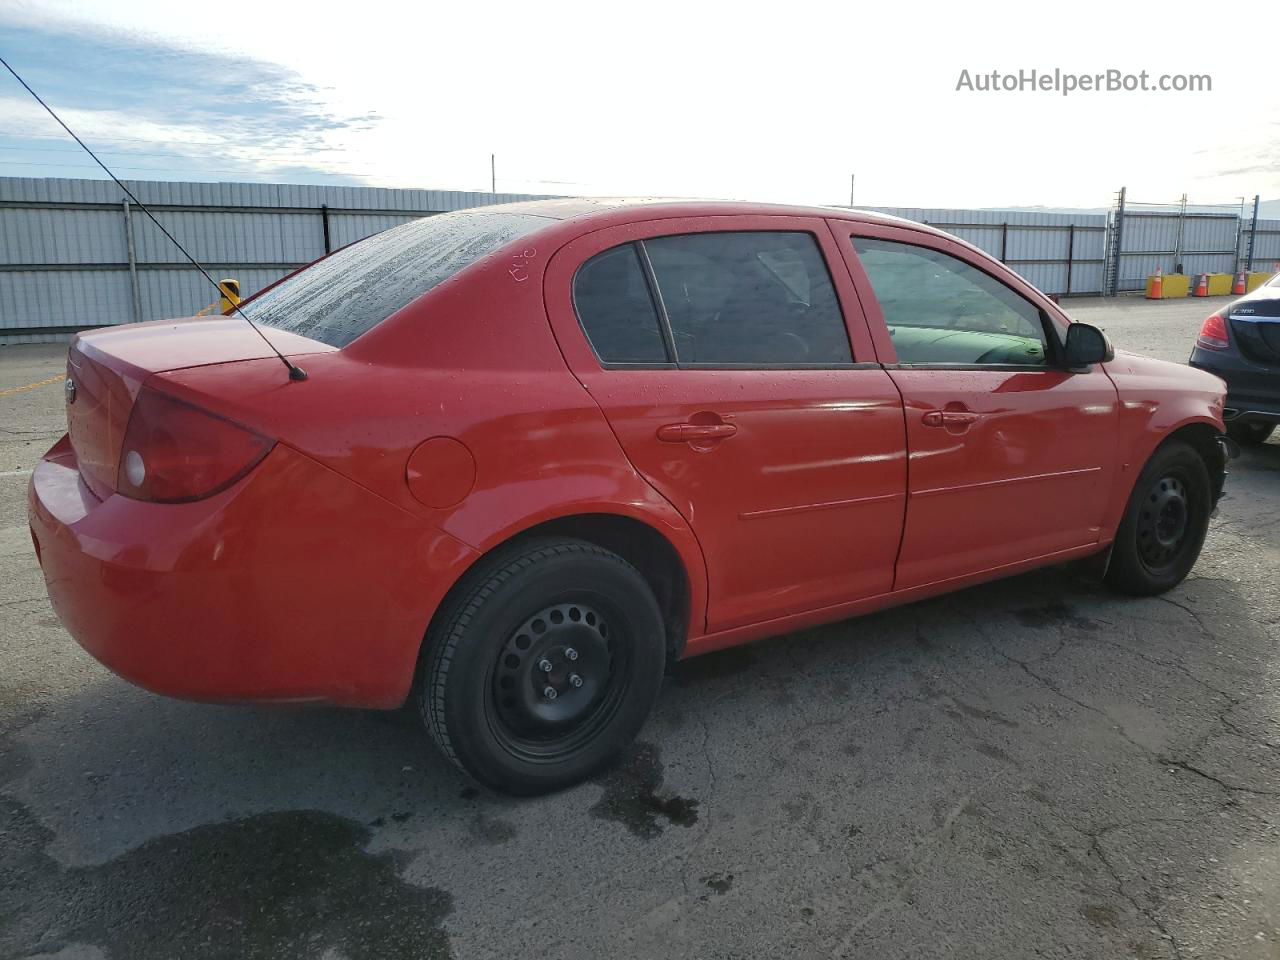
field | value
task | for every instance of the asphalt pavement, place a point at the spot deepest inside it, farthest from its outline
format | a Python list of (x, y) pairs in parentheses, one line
[(1033, 768)]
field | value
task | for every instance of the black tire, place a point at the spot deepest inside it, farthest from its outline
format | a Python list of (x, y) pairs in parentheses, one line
[(566, 603), (1164, 524), (1251, 433)]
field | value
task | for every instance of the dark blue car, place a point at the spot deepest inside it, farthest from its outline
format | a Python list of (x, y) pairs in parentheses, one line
[(1241, 344)]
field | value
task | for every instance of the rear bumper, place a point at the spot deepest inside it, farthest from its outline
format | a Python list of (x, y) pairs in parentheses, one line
[(294, 584), (1246, 410), (1253, 391)]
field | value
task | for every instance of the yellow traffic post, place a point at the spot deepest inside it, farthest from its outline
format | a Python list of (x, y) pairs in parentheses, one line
[(230, 289)]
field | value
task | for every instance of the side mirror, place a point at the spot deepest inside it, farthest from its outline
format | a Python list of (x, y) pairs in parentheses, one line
[(1086, 344)]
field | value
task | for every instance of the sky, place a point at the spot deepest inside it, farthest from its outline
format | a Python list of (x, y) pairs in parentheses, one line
[(775, 102)]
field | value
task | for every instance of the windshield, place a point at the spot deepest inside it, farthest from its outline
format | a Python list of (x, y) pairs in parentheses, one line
[(355, 289)]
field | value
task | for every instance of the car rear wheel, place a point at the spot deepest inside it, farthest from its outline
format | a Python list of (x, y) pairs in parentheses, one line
[(543, 666), (1164, 524), (1250, 433)]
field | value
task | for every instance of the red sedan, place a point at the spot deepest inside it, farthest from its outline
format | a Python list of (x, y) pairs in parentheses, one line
[(543, 449)]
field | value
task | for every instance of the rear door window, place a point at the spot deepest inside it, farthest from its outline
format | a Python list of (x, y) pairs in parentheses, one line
[(941, 310), (616, 308), (347, 294), (755, 298)]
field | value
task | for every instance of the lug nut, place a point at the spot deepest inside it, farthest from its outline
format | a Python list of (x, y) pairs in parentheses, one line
[(575, 680), (544, 665), (549, 693), (570, 653)]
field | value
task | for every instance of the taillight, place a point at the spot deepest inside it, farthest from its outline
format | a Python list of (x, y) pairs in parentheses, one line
[(1213, 333), (174, 452)]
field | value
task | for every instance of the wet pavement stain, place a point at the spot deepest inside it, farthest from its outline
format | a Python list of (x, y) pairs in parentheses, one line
[(631, 796), (719, 883), (994, 752), (1055, 613), (839, 688), (270, 885), (1100, 916), (490, 831), (709, 667), (980, 714)]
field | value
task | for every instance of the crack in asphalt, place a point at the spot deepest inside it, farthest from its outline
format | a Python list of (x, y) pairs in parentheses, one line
[(1172, 665), (1219, 717), (1209, 634), (1230, 789), (1247, 737), (911, 861), (706, 753), (1053, 687), (1234, 788), (1095, 848)]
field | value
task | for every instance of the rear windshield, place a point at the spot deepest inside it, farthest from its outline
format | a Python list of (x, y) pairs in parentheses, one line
[(358, 287)]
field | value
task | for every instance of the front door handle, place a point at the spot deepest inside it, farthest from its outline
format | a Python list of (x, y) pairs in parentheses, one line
[(949, 418), (694, 432)]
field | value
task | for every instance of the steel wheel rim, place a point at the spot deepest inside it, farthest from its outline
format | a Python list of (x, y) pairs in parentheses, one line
[(1164, 522), (583, 643)]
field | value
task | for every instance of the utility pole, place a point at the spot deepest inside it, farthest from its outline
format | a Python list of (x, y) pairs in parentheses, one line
[(1253, 232), (851, 177), (1111, 284), (1182, 222), (493, 174)]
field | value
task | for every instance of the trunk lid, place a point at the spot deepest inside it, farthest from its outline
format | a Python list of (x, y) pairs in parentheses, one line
[(1255, 325), (1258, 338), (106, 369)]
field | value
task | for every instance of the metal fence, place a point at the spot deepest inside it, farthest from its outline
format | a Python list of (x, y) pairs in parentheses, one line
[(73, 255), (1185, 238), (1062, 254)]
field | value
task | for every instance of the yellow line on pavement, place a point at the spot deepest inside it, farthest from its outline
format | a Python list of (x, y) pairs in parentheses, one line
[(31, 386)]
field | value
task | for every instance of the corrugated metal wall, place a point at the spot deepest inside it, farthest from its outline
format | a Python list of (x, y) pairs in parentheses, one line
[(1060, 253), (65, 263), (1197, 242), (64, 252), (1266, 246), (1192, 243)]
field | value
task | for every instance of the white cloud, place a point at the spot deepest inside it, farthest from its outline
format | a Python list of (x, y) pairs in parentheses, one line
[(766, 101)]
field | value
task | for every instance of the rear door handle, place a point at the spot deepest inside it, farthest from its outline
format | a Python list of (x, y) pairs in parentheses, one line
[(692, 432), (949, 418)]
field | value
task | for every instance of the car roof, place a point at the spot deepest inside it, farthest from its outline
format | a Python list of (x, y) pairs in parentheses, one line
[(625, 209)]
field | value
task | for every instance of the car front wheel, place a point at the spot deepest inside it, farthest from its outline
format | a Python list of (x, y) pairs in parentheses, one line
[(1164, 524), (543, 666)]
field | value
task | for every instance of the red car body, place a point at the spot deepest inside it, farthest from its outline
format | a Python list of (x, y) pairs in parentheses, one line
[(756, 501)]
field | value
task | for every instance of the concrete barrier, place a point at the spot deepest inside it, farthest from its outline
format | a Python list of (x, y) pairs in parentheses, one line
[(1220, 284), (1173, 285)]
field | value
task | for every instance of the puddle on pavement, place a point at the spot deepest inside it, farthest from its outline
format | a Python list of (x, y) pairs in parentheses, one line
[(1055, 613), (632, 796), (296, 883)]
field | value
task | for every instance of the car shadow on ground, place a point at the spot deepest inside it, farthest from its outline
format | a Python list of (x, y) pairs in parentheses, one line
[(200, 763), (1066, 697)]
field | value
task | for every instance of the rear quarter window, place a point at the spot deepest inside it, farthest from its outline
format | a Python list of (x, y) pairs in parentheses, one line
[(355, 289)]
